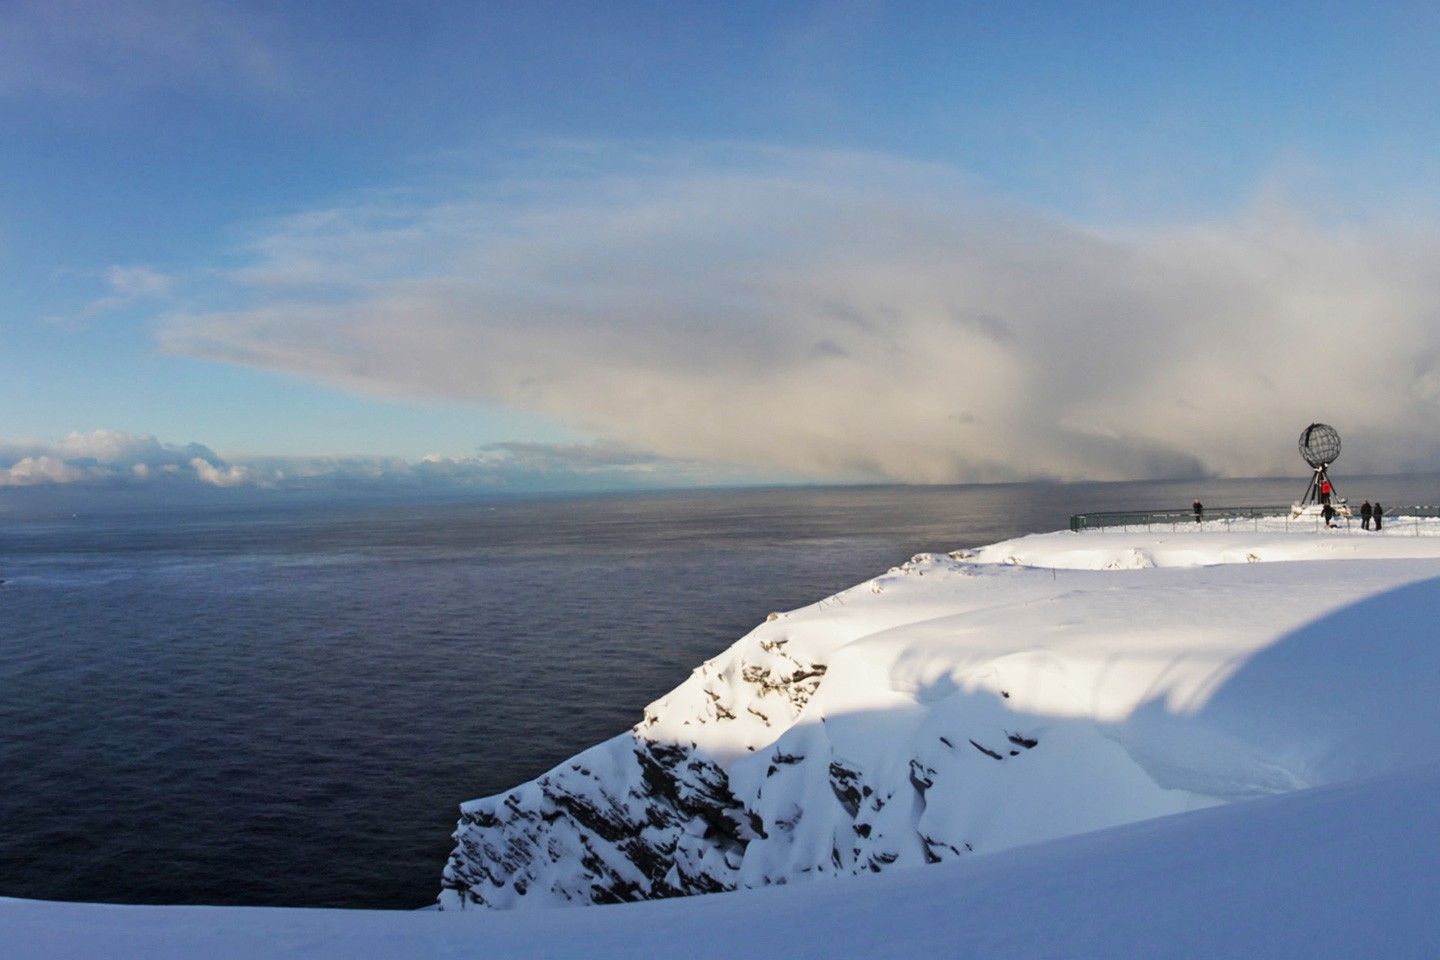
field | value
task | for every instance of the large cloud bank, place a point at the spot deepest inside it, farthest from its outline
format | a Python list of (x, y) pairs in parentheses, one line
[(858, 318)]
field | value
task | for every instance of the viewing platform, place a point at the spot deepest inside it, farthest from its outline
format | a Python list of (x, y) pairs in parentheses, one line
[(1411, 520)]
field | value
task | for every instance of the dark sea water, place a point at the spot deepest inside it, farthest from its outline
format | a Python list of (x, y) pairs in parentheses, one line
[(283, 704)]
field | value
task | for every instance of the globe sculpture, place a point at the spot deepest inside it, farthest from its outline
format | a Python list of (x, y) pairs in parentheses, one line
[(1319, 446)]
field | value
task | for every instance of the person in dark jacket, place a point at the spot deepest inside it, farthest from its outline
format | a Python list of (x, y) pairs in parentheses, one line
[(1378, 512), (1365, 515), (1199, 510)]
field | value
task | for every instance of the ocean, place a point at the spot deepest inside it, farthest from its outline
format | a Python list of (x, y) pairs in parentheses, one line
[(283, 703)]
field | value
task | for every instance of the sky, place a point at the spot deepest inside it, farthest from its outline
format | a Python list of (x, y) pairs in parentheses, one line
[(556, 243)]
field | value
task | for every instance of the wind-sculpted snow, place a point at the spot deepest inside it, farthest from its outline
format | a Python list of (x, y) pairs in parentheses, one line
[(969, 703)]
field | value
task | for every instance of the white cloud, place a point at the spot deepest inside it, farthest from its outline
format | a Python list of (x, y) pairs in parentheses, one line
[(107, 458), (136, 282), (114, 447), (232, 476), (35, 471), (124, 286), (858, 317)]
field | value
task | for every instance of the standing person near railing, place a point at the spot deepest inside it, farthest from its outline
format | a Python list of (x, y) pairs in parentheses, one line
[(1365, 513), (1199, 509), (1378, 513)]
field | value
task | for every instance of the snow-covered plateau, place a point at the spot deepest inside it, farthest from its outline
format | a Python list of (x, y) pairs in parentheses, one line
[(1214, 740)]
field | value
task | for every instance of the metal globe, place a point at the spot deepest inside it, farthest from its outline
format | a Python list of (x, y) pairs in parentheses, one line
[(1319, 444)]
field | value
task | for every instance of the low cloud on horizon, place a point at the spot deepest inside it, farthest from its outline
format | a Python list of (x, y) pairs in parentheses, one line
[(855, 317), (114, 459)]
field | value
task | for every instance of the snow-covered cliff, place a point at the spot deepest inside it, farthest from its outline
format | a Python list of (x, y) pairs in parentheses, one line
[(973, 702)]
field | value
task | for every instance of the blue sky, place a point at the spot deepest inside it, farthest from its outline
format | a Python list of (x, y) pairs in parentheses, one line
[(706, 242)]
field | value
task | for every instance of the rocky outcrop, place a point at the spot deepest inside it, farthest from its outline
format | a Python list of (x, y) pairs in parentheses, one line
[(644, 815)]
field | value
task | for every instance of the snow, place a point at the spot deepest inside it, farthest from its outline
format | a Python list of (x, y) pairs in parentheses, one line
[(1203, 741)]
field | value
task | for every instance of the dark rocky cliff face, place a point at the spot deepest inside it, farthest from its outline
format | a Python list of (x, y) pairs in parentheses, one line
[(661, 823), (648, 814), (640, 816)]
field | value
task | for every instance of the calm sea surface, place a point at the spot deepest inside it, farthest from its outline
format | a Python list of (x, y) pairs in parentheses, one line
[(284, 705)]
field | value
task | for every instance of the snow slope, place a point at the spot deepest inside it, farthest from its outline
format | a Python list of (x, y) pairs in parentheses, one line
[(1048, 702), (1337, 872), (967, 704)]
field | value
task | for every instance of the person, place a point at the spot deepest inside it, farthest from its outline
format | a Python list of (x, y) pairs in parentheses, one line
[(1365, 515), (1199, 509), (1329, 514), (1325, 491), (1378, 512)]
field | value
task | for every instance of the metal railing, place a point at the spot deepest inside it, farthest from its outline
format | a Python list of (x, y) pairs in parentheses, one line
[(1176, 519)]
